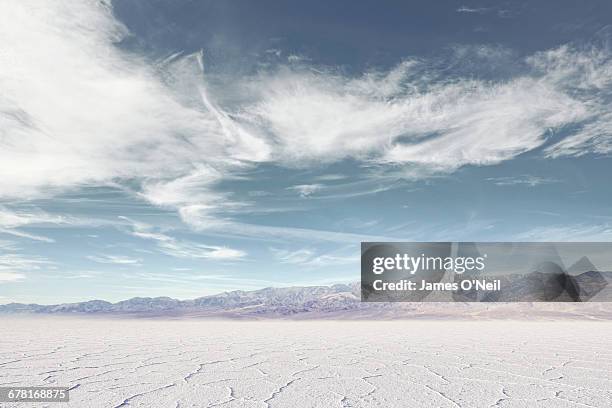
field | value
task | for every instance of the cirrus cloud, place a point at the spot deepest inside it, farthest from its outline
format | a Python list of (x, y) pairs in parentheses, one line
[(77, 110)]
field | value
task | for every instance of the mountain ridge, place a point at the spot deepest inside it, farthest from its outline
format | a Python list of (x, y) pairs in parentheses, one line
[(340, 301)]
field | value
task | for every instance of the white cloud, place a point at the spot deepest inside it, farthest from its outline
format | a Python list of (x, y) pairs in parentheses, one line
[(76, 276), (182, 248), (586, 72), (282, 234), (10, 220), (294, 58), (293, 257), (487, 125), (576, 232), (331, 177), (8, 245), (594, 136), (316, 117), (223, 253), (11, 277), (415, 116), (525, 179), (21, 234), (16, 261), (569, 67), (330, 259), (20, 218), (309, 257), (502, 13), (13, 265), (325, 117), (306, 190), (115, 260), (76, 110), (472, 10), (371, 183)]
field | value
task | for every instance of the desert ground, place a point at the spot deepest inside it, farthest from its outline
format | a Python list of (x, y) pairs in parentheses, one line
[(403, 363)]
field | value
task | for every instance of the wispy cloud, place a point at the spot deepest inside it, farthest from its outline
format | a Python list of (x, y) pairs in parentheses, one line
[(115, 260), (82, 275), (294, 257), (15, 261), (331, 177), (11, 277), (21, 234), (503, 13), (473, 10), (76, 110), (7, 245), (14, 266), (574, 232), (11, 220), (406, 117), (306, 190), (282, 234), (309, 257), (522, 180), (587, 72), (182, 248)]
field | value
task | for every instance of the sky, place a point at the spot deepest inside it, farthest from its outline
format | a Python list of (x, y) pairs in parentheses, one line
[(184, 148)]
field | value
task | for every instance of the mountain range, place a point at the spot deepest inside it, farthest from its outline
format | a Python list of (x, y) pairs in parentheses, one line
[(342, 301)]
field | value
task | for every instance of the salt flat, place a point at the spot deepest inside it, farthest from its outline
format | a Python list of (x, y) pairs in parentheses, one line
[(199, 363)]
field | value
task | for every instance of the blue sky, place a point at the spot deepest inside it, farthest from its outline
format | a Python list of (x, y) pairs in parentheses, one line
[(185, 148)]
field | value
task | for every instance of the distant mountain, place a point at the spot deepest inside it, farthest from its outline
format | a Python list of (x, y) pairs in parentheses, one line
[(333, 302), (268, 301)]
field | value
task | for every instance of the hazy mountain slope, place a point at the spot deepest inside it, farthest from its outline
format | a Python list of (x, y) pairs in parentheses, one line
[(337, 301)]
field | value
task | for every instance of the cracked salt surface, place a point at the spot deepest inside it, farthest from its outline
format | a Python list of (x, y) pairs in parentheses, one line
[(196, 363)]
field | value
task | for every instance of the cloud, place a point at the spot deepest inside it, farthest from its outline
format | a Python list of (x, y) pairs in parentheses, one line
[(10, 220), (13, 219), (282, 234), (308, 257), (76, 110), (404, 118), (88, 275), (13, 265), (22, 234), (293, 257), (586, 72), (331, 177), (473, 10), (182, 248), (502, 13), (8, 246), (294, 58), (16, 261), (306, 190), (594, 136), (576, 232), (526, 179), (115, 260), (370, 183), (193, 196), (11, 277)]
